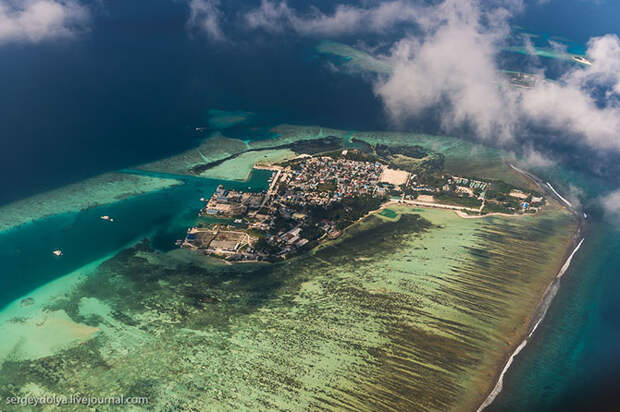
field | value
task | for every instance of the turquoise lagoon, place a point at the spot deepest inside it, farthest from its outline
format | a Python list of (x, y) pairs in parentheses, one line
[(162, 217)]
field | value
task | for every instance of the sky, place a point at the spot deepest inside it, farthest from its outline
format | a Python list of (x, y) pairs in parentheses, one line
[(445, 55)]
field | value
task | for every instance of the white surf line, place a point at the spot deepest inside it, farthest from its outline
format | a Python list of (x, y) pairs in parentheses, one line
[(569, 204), (558, 277), (500, 381), (569, 260), (559, 195), (536, 325), (527, 174), (517, 169)]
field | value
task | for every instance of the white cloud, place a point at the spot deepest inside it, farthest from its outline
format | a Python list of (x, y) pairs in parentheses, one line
[(532, 158), (585, 100), (452, 62), (605, 53), (453, 65), (278, 16), (206, 15), (611, 203), (36, 20)]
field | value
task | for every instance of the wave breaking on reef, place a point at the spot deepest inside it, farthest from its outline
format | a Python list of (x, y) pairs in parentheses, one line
[(569, 204), (542, 311)]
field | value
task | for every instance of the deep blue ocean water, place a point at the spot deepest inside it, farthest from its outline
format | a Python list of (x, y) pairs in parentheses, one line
[(135, 86)]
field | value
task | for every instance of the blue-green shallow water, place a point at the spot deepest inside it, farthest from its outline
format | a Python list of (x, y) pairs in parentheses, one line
[(162, 216), (573, 360), (106, 102)]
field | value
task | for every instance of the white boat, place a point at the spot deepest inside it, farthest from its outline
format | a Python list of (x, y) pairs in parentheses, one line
[(57, 252), (582, 60), (108, 218)]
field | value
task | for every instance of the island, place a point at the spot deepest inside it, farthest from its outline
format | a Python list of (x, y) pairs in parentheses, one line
[(429, 260), (313, 198)]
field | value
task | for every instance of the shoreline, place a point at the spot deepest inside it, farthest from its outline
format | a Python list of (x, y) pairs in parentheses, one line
[(542, 309), (534, 319), (458, 210), (548, 295), (531, 321), (466, 216)]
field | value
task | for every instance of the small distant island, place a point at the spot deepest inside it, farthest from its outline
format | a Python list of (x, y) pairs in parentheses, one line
[(315, 197)]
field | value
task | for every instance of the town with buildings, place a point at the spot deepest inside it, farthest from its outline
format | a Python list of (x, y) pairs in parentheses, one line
[(314, 198)]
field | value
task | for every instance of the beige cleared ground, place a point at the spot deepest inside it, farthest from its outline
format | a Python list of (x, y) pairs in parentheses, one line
[(394, 176), (426, 198), (518, 194)]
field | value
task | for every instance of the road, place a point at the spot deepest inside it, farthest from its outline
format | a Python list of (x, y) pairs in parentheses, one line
[(437, 205), (272, 186)]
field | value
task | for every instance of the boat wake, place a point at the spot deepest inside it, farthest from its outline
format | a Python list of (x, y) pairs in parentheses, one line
[(541, 312)]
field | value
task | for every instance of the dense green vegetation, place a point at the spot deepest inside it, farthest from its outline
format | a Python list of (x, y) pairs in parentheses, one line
[(432, 180), (414, 159), (451, 198), (310, 146), (491, 207), (311, 232), (348, 210), (499, 190), (415, 152), (362, 145), (360, 156), (265, 247), (315, 146), (434, 163)]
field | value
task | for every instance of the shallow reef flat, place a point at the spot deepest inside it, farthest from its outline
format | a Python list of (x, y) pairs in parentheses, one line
[(216, 147), (354, 60), (409, 310), (100, 190), (240, 167), (462, 157), (222, 119), (31, 329)]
